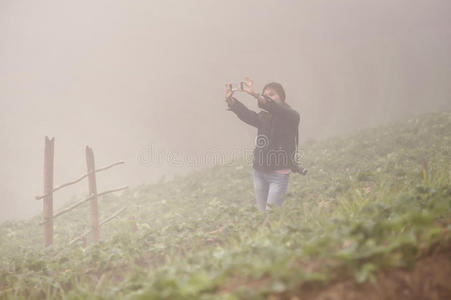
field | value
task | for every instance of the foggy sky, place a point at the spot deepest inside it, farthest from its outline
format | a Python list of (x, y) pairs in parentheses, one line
[(123, 75)]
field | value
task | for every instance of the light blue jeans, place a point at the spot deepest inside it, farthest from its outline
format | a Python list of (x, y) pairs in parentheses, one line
[(270, 187)]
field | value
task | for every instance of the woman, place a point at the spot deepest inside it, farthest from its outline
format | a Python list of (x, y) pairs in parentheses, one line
[(276, 142)]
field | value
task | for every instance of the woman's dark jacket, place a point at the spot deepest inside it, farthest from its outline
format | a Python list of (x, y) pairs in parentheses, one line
[(277, 136)]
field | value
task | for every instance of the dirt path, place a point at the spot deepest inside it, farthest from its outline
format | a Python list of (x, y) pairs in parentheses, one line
[(430, 279)]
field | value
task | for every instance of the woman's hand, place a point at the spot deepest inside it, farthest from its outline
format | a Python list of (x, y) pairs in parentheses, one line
[(228, 90), (249, 86), (228, 94)]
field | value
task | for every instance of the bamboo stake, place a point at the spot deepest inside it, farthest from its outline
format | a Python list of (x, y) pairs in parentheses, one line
[(94, 208), (48, 187), (80, 179)]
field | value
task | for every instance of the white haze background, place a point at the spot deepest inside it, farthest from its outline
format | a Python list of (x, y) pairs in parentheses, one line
[(122, 75)]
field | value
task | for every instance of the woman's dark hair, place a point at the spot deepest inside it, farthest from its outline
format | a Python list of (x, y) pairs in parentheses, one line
[(277, 87)]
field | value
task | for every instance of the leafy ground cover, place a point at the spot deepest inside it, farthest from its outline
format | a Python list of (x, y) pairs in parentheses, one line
[(372, 215)]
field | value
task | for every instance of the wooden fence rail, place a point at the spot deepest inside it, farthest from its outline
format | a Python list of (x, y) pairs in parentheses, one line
[(47, 195), (83, 235), (77, 204), (80, 179)]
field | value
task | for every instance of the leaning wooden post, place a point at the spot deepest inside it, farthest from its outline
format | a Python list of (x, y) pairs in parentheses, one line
[(90, 163), (48, 188)]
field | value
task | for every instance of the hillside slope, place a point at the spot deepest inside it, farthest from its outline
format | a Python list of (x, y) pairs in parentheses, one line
[(374, 202)]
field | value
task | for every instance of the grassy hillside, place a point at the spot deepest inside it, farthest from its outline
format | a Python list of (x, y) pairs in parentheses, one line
[(374, 201)]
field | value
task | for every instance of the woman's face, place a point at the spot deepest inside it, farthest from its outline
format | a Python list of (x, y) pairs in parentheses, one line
[(271, 93)]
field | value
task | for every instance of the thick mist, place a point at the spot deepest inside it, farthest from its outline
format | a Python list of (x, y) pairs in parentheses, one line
[(135, 79)]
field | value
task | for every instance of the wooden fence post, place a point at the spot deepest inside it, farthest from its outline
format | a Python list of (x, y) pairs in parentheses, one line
[(48, 188), (90, 163)]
